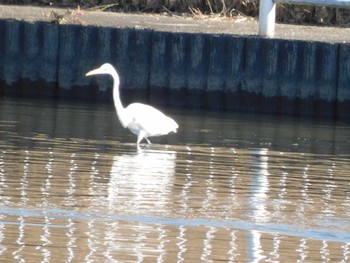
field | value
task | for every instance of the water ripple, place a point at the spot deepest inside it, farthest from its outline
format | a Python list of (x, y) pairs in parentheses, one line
[(228, 188)]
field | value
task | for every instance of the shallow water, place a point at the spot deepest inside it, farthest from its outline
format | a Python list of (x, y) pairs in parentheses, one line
[(226, 187)]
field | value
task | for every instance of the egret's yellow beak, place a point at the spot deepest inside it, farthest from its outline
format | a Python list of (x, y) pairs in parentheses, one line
[(92, 72)]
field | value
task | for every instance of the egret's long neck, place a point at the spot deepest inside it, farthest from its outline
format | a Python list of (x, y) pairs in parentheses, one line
[(116, 97), (123, 118)]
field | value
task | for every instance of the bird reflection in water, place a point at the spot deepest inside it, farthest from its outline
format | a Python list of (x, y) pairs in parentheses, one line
[(142, 182)]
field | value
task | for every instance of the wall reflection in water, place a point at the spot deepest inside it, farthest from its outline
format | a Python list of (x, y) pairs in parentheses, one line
[(95, 199)]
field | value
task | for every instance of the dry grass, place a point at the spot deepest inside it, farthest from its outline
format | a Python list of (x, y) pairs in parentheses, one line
[(69, 17)]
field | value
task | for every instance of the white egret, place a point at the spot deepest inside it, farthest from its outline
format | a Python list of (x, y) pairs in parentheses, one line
[(141, 119)]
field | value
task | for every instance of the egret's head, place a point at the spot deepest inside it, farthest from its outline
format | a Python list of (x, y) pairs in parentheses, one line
[(104, 69)]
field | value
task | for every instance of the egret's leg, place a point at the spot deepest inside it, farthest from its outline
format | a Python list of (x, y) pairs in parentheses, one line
[(140, 136)]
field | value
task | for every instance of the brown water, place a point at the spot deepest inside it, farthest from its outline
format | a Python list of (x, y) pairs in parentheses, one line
[(230, 188)]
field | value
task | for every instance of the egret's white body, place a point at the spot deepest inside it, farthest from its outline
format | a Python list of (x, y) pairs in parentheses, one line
[(141, 119)]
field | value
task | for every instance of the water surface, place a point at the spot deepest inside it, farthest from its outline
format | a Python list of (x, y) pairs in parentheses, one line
[(226, 187)]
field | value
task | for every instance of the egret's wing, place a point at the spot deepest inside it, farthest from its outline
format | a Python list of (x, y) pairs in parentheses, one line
[(151, 120)]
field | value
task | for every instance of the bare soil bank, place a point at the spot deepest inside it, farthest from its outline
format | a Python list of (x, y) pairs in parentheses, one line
[(285, 13), (214, 25)]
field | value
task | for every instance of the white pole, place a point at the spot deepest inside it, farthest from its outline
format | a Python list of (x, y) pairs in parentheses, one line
[(267, 14)]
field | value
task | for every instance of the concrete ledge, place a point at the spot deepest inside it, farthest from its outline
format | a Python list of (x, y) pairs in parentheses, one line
[(181, 69)]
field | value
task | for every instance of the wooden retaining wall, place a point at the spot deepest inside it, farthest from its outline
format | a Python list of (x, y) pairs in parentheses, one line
[(222, 72)]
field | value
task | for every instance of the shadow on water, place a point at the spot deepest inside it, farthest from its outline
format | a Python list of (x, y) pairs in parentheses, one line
[(227, 187)]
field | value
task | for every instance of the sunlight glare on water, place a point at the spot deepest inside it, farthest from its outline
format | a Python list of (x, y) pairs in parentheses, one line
[(226, 187)]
